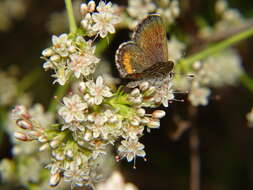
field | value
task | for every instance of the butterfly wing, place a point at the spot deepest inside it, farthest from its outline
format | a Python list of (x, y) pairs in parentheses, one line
[(130, 60), (150, 36)]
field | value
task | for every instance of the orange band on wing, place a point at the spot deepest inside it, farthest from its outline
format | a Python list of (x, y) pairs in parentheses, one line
[(127, 64)]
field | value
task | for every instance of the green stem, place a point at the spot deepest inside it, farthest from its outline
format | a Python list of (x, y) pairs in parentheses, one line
[(217, 47), (61, 90), (247, 81), (71, 17)]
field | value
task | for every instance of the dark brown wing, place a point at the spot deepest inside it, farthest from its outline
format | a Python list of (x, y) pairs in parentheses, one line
[(158, 70), (130, 60), (150, 36)]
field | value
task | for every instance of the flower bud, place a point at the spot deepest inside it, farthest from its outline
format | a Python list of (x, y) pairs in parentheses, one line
[(135, 121), (158, 114), (151, 90), (59, 156), (144, 86), (145, 120), (88, 135), (55, 58), (54, 179), (24, 124), (153, 124), (91, 6), (135, 92), (83, 8), (54, 143), (47, 52), (141, 112), (69, 153), (43, 147), (22, 136), (42, 139), (136, 100)]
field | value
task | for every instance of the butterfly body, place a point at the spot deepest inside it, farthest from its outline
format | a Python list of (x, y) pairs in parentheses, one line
[(145, 57)]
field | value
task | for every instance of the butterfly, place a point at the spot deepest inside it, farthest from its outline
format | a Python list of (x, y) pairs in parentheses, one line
[(145, 56)]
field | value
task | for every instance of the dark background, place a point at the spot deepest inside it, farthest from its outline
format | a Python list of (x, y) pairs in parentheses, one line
[(225, 140)]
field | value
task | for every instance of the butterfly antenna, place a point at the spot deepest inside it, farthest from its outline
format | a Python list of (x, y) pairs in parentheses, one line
[(176, 100), (181, 92)]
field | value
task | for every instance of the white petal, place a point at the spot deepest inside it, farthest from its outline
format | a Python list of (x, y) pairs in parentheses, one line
[(99, 81)]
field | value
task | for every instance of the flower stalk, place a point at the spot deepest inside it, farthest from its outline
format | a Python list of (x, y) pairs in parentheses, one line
[(71, 17), (247, 81), (213, 49)]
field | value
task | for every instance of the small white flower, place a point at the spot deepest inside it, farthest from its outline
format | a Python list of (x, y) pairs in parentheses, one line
[(77, 176), (61, 75), (130, 149), (61, 44), (83, 64), (73, 109), (73, 126), (99, 149), (98, 127), (165, 94), (132, 131), (199, 95), (48, 65), (104, 7), (98, 90), (104, 23)]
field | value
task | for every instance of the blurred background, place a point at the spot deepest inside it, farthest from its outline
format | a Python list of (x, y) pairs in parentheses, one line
[(225, 138)]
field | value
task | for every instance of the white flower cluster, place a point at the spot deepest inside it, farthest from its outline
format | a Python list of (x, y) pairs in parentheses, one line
[(102, 21), (93, 118), (70, 55), (139, 10), (221, 69), (229, 17), (27, 167)]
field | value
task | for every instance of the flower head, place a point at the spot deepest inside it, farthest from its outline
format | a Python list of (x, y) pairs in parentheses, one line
[(98, 91), (73, 109), (130, 149), (104, 23), (199, 95)]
